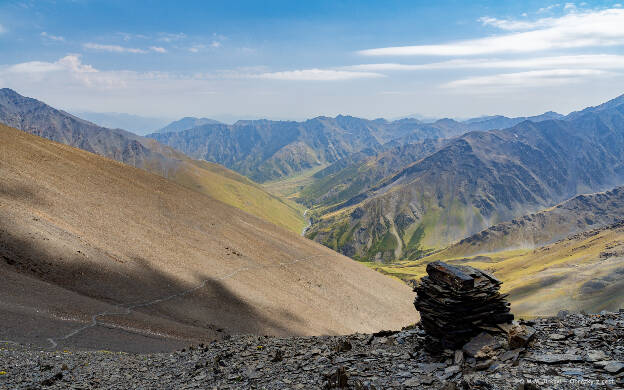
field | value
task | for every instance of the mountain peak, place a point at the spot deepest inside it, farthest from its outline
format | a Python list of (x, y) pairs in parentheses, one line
[(10, 93), (613, 103), (186, 123)]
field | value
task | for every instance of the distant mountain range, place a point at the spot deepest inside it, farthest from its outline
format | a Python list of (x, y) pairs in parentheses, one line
[(187, 123), (502, 122), (38, 118), (473, 181), (267, 150)]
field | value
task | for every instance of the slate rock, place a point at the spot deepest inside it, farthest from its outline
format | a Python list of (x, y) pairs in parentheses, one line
[(520, 335), (482, 346), (614, 367), (556, 358), (595, 356), (458, 359)]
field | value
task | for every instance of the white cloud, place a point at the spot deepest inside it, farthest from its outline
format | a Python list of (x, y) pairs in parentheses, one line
[(158, 49), (315, 75), (515, 25), (548, 8), (67, 71), (74, 64), (70, 73), (169, 37), (569, 7), (57, 38), (129, 36), (215, 44), (2, 29), (530, 79), (122, 49), (113, 48), (573, 30), (592, 61)]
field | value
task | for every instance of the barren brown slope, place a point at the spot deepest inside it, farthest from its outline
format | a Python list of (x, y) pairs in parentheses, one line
[(81, 234), (36, 117)]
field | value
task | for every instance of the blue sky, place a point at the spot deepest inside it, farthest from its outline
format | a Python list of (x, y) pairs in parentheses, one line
[(298, 59)]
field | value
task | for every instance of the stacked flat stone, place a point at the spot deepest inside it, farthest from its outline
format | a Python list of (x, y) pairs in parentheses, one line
[(458, 302)]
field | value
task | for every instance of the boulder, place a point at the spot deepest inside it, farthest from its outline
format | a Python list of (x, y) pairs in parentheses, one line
[(482, 346), (520, 335)]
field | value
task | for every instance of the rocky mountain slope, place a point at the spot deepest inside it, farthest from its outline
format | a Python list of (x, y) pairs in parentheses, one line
[(579, 214), (187, 123), (477, 180), (570, 351), (359, 172), (503, 122), (38, 118), (95, 253), (265, 150)]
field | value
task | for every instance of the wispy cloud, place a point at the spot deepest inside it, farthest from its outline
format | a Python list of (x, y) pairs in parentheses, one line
[(548, 8), (2, 29), (530, 79), (128, 36), (573, 30), (57, 38), (113, 48), (201, 47), (158, 49), (171, 37), (122, 49), (70, 72), (591, 61), (515, 25), (316, 75)]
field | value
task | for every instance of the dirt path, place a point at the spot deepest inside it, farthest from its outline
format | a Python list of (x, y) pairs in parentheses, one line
[(128, 309)]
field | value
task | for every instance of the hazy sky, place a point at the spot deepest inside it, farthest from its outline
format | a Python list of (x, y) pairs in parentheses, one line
[(299, 59)]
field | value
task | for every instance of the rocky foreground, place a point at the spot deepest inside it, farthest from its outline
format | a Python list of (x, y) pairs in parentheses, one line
[(564, 352)]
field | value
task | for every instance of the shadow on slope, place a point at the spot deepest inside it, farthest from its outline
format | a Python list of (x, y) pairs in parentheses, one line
[(147, 300)]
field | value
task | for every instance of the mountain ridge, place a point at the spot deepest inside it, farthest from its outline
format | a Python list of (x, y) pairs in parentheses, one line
[(186, 123), (581, 213), (476, 180)]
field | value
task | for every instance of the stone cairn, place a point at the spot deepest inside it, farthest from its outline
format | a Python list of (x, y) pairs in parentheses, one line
[(457, 303)]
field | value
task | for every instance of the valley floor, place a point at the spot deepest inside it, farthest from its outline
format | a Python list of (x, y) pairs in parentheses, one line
[(569, 352)]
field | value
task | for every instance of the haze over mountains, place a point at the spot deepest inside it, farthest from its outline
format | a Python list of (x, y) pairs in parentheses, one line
[(140, 125)]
